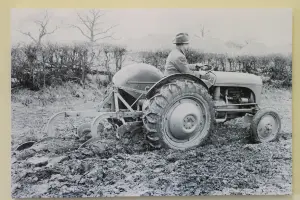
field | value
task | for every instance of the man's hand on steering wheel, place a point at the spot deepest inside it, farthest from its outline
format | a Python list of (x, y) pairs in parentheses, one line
[(198, 66)]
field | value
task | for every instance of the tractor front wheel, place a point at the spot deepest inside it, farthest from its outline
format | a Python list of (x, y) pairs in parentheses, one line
[(265, 126), (179, 116)]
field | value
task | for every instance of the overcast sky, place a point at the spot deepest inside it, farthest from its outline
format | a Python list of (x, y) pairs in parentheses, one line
[(269, 26)]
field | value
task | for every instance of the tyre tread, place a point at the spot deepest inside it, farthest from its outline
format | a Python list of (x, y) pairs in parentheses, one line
[(168, 92)]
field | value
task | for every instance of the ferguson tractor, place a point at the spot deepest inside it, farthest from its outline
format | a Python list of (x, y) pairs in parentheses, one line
[(178, 111)]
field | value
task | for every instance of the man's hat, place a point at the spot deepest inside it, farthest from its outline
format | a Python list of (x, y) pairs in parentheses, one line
[(181, 38)]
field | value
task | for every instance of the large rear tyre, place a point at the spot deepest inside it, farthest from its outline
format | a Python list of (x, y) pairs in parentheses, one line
[(179, 116), (265, 126)]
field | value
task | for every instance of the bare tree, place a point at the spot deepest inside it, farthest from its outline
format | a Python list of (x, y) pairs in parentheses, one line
[(107, 50), (203, 31), (43, 29), (119, 54), (90, 26)]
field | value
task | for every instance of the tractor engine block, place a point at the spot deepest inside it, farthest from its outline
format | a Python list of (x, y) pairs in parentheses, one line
[(234, 95), (231, 98)]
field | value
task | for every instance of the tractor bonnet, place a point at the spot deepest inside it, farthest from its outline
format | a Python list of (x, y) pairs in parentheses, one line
[(236, 79)]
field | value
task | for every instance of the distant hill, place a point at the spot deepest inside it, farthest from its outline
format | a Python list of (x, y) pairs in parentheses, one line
[(233, 44), (257, 49), (282, 49), (254, 49), (212, 45)]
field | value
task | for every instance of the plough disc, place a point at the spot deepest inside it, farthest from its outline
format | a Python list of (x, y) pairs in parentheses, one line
[(112, 115), (128, 127)]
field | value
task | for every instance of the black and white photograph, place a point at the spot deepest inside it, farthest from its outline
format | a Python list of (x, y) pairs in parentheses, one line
[(151, 102)]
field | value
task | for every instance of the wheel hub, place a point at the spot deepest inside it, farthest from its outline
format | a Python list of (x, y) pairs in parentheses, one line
[(189, 122), (184, 119)]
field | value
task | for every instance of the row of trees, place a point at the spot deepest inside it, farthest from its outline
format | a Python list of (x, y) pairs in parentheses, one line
[(38, 66)]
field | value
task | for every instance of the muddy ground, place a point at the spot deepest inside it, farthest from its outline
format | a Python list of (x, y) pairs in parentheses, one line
[(227, 164)]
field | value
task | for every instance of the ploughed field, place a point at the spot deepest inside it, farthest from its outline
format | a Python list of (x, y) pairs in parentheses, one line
[(227, 164)]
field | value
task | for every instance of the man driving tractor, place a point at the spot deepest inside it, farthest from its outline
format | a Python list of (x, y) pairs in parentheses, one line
[(176, 61)]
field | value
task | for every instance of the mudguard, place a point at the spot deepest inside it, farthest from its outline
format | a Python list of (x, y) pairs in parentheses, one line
[(172, 77)]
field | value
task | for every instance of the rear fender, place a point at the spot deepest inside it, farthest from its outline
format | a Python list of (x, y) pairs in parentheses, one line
[(172, 77)]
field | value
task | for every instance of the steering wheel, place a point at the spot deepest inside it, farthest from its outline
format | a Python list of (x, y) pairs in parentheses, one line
[(209, 73), (210, 67), (198, 67)]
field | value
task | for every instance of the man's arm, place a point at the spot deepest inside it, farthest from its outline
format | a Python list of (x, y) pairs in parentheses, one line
[(182, 65)]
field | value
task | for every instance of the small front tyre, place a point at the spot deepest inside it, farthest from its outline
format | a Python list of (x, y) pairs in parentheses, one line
[(266, 126)]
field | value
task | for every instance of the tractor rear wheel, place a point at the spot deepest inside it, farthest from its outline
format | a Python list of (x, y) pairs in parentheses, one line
[(179, 116)]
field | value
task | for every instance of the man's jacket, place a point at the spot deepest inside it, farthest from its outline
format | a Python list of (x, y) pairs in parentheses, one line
[(176, 63)]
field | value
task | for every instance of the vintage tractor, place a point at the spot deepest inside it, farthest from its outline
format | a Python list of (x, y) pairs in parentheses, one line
[(178, 111)]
